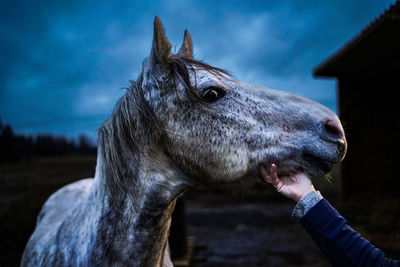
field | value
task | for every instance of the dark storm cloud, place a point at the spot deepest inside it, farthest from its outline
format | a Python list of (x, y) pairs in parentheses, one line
[(50, 53), (64, 62)]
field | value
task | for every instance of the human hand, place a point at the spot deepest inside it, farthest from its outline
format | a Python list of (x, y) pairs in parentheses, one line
[(295, 187)]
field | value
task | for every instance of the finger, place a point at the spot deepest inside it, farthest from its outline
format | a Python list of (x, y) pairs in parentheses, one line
[(265, 174), (279, 187), (274, 174)]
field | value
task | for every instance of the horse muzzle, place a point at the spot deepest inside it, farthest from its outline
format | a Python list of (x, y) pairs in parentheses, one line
[(320, 159)]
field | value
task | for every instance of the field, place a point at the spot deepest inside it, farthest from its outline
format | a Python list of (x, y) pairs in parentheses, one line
[(231, 227), (24, 189)]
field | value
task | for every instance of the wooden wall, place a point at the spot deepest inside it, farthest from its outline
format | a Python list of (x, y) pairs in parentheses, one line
[(369, 108)]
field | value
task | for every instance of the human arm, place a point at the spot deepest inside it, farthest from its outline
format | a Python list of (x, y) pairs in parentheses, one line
[(342, 245)]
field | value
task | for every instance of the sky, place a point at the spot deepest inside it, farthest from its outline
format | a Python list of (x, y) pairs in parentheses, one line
[(65, 63)]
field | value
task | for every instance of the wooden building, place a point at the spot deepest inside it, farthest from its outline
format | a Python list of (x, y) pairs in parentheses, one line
[(367, 70)]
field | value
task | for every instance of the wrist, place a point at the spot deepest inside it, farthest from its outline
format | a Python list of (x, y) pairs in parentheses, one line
[(304, 193), (306, 203)]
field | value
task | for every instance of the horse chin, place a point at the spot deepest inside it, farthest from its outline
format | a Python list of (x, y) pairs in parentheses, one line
[(317, 167), (313, 166)]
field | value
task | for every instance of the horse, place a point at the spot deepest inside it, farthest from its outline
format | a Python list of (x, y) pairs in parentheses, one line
[(182, 123)]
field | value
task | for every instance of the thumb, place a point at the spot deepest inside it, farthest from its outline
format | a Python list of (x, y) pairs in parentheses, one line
[(271, 176)]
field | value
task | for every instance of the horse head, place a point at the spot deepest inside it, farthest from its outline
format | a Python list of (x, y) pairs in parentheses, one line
[(217, 129)]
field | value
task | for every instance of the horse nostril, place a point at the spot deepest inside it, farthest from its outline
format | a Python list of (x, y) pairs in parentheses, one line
[(333, 129)]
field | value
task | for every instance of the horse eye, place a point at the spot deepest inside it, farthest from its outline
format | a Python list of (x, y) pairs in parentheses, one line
[(212, 94)]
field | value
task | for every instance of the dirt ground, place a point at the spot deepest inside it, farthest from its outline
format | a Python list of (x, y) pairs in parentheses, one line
[(248, 231), (230, 227)]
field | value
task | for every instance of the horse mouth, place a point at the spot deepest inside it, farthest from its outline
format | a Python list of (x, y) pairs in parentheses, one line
[(312, 165), (317, 166)]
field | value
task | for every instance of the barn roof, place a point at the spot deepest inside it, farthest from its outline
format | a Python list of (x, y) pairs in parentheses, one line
[(375, 50)]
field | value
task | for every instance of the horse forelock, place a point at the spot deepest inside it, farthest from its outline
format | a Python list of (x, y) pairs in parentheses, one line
[(177, 71)]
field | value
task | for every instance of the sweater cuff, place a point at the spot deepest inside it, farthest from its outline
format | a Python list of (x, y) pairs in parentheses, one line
[(306, 203)]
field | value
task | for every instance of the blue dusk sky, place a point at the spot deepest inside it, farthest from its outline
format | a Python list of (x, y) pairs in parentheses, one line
[(65, 63)]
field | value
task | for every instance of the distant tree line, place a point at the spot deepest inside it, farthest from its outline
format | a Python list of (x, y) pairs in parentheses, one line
[(15, 147)]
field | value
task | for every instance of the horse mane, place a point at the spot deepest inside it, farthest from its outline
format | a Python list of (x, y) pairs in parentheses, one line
[(123, 137)]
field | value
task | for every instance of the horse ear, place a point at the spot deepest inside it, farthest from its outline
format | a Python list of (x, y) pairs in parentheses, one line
[(186, 49), (161, 49)]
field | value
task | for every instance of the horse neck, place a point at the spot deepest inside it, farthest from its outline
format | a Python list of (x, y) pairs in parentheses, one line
[(134, 227)]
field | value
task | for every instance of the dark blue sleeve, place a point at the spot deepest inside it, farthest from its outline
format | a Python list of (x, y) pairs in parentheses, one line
[(342, 245)]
